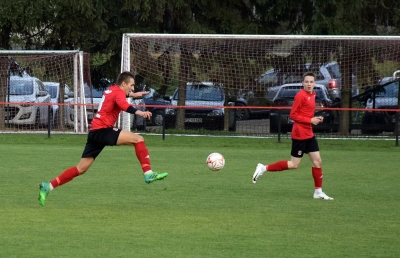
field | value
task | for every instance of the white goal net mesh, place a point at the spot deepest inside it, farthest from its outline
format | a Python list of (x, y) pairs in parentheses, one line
[(249, 66), (31, 99)]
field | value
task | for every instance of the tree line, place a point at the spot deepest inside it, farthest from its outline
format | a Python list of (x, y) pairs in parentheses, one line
[(96, 27)]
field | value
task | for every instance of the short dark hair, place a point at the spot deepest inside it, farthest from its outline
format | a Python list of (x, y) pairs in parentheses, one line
[(308, 74), (124, 77)]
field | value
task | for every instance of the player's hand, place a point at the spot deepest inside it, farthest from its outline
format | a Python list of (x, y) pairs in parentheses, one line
[(316, 120), (145, 114), (138, 94)]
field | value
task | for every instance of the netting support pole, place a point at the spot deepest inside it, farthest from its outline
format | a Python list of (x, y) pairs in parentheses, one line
[(396, 129), (124, 119)]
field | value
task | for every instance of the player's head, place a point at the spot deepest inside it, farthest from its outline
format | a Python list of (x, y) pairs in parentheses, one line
[(126, 81), (309, 81)]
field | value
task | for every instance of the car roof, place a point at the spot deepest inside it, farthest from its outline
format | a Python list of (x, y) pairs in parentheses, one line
[(201, 83), (300, 84), (51, 83), (23, 78)]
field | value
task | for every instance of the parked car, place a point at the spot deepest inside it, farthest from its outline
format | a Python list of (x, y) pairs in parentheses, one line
[(328, 75), (204, 106), (152, 101), (33, 97), (254, 98), (53, 88), (382, 96), (285, 98), (92, 98)]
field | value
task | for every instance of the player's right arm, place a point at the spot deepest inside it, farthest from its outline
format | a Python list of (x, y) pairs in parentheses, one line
[(296, 114)]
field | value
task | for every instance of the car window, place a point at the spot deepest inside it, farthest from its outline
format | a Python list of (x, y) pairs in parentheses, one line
[(21, 87), (202, 92), (389, 91), (289, 92), (95, 93), (280, 78), (320, 94), (67, 89), (52, 90), (334, 71), (152, 95)]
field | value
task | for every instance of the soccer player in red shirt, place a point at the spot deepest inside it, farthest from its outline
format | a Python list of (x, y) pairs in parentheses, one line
[(103, 133), (303, 139)]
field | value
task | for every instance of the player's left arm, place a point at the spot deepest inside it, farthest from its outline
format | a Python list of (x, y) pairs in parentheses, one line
[(120, 99)]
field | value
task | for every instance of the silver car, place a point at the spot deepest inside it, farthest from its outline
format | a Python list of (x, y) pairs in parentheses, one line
[(54, 90), (328, 75), (30, 102)]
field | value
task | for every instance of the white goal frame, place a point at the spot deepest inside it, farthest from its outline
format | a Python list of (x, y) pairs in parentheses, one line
[(124, 121), (78, 83)]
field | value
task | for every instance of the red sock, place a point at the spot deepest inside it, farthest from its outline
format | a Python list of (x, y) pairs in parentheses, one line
[(142, 153), (278, 166), (65, 177), (317, 175)]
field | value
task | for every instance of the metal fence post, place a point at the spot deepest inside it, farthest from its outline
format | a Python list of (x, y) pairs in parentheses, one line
[(48, 120)]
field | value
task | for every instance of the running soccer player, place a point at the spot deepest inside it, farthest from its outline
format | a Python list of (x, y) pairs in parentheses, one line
[(303, 138), (103, 133)]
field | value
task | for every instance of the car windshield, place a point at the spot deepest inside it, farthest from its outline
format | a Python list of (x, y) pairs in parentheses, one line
[(95, 92), (52, 90), (291, 91), (289, 74), (21, 87), (202, 92), (389, 91), (152, 94)]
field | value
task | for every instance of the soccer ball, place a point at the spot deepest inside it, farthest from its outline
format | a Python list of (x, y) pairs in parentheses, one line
[(215, 161)]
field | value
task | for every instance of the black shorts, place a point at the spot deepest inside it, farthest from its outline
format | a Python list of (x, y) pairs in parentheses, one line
[(98, 139), (299, 147)]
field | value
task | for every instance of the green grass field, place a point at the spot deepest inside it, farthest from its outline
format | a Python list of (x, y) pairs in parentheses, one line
[(195, 212)]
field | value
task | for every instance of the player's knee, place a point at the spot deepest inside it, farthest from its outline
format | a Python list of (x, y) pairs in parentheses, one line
[(294, 166), (82, 169), (317, 163), (140, 138)]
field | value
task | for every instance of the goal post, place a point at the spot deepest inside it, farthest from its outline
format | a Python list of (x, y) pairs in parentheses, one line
[(240, 62), (25, 110)]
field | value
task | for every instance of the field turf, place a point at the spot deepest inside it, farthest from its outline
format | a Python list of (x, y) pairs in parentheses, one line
[(195, 212)]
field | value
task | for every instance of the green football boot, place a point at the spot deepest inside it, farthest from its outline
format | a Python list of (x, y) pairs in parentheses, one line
[(153, 176), (44, 190)]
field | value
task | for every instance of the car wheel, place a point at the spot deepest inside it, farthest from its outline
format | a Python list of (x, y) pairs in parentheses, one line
[(157, 117), (241, 113)]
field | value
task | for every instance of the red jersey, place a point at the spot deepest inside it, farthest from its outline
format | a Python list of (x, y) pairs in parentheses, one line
[(113, 102), (302, 111)]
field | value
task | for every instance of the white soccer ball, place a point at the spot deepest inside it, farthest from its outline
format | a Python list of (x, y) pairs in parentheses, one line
[(215, 161)]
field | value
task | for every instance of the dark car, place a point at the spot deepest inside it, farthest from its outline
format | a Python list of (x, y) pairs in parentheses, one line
[(154, 103), (383, 96), (285, 97), (251, 98), (328, 75), (204, 106)]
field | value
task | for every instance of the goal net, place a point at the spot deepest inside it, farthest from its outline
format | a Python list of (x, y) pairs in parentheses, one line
[(31, 99), (250, 67)]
